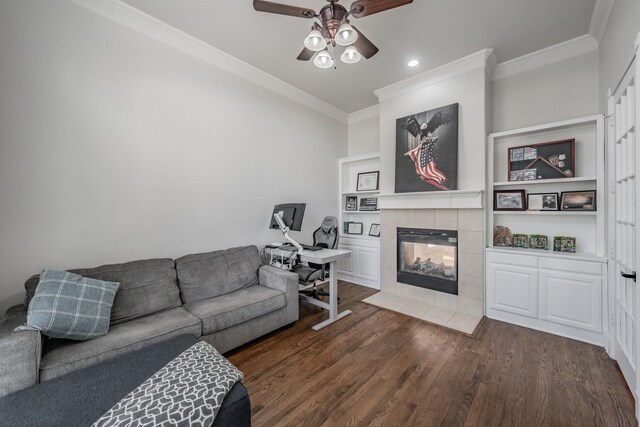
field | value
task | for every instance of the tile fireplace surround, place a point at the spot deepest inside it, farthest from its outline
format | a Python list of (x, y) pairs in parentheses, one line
[(461, 308)]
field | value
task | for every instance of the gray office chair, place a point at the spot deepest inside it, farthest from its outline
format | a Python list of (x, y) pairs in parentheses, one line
[(325, 236)]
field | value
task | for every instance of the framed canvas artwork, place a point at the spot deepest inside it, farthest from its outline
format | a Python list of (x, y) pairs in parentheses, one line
[(427, 151)]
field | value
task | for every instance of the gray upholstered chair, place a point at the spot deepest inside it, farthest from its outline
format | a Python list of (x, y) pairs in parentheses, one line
[(325, 236)]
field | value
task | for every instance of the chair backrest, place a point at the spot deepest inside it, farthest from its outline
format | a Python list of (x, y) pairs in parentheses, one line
[(327, 234)]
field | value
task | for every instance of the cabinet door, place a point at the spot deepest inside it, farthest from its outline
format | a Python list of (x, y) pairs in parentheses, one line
[(368, 260), (513, 288), (347, 265), (571, 299)]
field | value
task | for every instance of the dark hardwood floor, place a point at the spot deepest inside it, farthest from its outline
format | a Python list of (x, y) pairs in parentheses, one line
[(376, 367)]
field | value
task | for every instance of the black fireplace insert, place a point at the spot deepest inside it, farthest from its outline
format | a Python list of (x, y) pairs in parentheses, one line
[(428, 259)]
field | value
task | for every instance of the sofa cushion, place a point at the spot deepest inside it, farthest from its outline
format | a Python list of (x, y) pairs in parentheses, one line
[(236, 307), (146, 287), (67, 305), (62, 356), (210, 274)]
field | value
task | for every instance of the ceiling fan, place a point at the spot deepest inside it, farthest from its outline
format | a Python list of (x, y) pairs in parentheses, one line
[(333, 28)]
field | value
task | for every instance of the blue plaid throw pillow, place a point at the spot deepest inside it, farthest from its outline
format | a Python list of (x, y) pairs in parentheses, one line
[(67, 305)]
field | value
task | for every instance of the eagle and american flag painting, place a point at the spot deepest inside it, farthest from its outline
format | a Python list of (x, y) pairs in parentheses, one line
[(427, 150)]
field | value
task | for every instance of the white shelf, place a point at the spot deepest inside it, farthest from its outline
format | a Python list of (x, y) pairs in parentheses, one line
[(358, 236), (545, 181), (578, 256), (360, 212), (555, 213), (360, 193), (453, 199)]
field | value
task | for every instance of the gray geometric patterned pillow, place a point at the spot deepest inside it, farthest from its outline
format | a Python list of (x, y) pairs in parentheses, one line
[(69, 306)]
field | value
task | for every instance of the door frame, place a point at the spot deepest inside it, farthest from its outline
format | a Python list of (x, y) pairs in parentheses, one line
[(630, 61)]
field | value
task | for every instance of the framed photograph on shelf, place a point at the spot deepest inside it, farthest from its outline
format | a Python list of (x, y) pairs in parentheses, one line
[(374, 230), (548, 160), (351, 203), (369, 204), (564, 244), (578, 201), (354, 228), (538, 241), (508, 200), (368, 181), (542, 202)]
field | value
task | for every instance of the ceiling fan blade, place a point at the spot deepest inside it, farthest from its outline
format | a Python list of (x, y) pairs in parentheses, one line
[(364, 45), (305, 55), (283, 9), (362, 8)]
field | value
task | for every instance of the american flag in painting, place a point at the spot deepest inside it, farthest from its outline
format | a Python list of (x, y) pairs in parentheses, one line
[(424, 158)]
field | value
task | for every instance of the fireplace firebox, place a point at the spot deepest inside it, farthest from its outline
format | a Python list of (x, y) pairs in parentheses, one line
[(428, 259)]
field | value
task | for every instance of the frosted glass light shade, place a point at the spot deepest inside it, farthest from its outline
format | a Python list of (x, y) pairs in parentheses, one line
[(350, 55), (315, 41), (346, 35), (323, 60)]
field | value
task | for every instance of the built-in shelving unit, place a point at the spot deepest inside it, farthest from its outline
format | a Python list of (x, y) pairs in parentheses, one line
[(364, 265), (587, 227), (557, 292)]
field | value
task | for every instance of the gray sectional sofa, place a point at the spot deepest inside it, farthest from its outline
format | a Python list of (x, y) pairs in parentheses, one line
[(226, 298)]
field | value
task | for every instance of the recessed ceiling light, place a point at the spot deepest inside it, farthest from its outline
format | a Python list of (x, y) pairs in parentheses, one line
[(413, 63)]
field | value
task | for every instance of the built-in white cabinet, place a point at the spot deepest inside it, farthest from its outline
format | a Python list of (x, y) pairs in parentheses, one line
[(363, 267), (557, 292), (515, 289), (548, 292)]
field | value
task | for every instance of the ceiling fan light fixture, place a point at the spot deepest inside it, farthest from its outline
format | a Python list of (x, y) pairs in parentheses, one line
[(315, 41), (350, 55), (346, 35), (323, 60)]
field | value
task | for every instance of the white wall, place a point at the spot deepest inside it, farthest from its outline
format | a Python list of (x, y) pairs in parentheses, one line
[(115, 147), (469, 90), (621, 31), (557, 91), (364, 135)]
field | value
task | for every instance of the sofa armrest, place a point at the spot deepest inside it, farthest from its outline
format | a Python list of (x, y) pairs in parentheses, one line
[(284, 281), (20, 353)]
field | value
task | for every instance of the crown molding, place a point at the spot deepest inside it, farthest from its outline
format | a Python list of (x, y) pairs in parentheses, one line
[(135, 19), (364, 114), (460, 66), (600, 18), (561, 51), (626, 63)]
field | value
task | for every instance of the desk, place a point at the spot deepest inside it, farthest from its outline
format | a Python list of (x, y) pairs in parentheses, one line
[(330, 256)]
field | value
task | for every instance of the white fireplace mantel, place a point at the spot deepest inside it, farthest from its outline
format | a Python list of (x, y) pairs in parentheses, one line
[(454, 199)]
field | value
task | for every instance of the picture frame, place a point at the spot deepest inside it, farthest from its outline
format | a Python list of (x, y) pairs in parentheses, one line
[(368, 181), (374, 230), (583, 201), (547, 160), (564, 244), (426, 155), (351, 203), (509, 200), (354, 228), (542, 202), (520, 241), (538, 241), (369, 204)]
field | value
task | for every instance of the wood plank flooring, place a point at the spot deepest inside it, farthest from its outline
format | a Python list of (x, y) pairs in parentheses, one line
[(376, 367)]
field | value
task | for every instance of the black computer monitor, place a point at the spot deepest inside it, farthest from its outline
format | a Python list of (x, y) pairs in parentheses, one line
[(292, 214)]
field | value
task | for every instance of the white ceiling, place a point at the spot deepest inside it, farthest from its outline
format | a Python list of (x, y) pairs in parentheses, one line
[(432, 31)]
